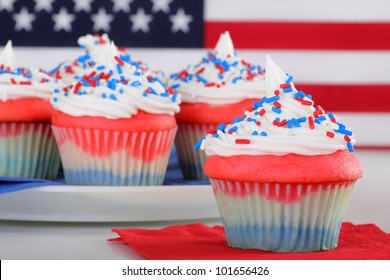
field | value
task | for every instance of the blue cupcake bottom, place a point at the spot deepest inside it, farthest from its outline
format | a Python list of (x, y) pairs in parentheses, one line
[(282, 238)]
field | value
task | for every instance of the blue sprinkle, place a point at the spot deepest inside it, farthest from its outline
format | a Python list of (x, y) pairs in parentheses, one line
[(136, 83), (317, 121), (56, 90), (121, 91), (299, 94), (199, 143), (145, 94), (125, 58), (322, 118), (205, 60), (137, 73), (165, 94), (302, 119), (101, 67), (308, 96), (174, 98), (201, 79), (236, 79), (104, 95), (263, 133), (112, 97), (331, 115), (236, 119), (83, 58), (258, 104), (66, 94), (255, 133), (119, 68), (350, 147), (289, 80), (271, 99), (221, 126), (55, 99), (220, 76), (252, 120), (234, 63), (295, 122), (289, 124), (110, 72), (234, 128), (190, 76), (276, 110), (85, 83), (175, 86), (286, 90)]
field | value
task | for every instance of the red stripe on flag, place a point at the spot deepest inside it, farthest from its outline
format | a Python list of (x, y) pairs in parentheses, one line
[(349, 98), (301, 35)]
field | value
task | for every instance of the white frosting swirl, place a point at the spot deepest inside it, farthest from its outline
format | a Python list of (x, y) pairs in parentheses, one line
[(280, 124), (18, 83), (220, 78), (115, 89)]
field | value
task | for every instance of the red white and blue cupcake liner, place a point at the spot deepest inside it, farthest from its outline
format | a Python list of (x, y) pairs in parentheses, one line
[(282, 217), (114, 158), (28, 150), (191, 161)]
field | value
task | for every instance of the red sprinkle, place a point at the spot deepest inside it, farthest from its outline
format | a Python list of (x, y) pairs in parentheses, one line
[(276, 92), (311, 122), (209, 85), (211, 131), (346, 138), (171, 90), (13, 81), (330, 134), (220, 68), (120, 61), (183, 74), (258, 123), (25, 83), (76, 88), (262, 112), (277, 104), (243, 141), (285, 85), (200, 71)]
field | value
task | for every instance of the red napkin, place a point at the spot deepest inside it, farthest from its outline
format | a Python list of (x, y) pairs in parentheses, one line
[(201, 242)]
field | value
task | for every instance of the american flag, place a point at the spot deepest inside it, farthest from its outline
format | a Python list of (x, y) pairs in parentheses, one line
[(338, 50)]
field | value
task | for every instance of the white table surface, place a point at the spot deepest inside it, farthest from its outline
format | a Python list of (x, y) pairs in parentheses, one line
[(370, 203)]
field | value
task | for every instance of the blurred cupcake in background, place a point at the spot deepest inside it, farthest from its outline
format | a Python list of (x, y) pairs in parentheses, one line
[(214, 91), (116, 126), (27, 145)]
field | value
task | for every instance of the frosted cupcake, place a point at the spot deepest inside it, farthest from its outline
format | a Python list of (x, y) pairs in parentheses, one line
[(282, 174), (27, 145), (115, 126), (214, 91)]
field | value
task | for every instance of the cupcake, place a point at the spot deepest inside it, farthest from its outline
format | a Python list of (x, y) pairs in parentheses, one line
[(27, 145), (283, 178), (214, 91), (115, 127)]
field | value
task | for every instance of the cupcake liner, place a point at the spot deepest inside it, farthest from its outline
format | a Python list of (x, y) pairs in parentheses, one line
[(114, 158), (191, 161), (282, 217), (28, 150)]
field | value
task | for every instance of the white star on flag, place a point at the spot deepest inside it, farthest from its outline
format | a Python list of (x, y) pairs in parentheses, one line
[(180, 21), (23, 20), (82, 5), (43, 5), (121, 5), (101, 20), (141, 21), (161, 5), (63, 20), (7, 5)]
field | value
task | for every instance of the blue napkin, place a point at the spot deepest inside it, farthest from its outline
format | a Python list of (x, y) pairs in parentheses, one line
[(172, 177)]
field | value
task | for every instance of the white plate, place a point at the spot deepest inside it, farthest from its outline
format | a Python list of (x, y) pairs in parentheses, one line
[(109, 204)]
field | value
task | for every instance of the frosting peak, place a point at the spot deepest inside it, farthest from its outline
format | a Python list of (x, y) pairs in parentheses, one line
[(7, 57), (224, 47), (286, 121)]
